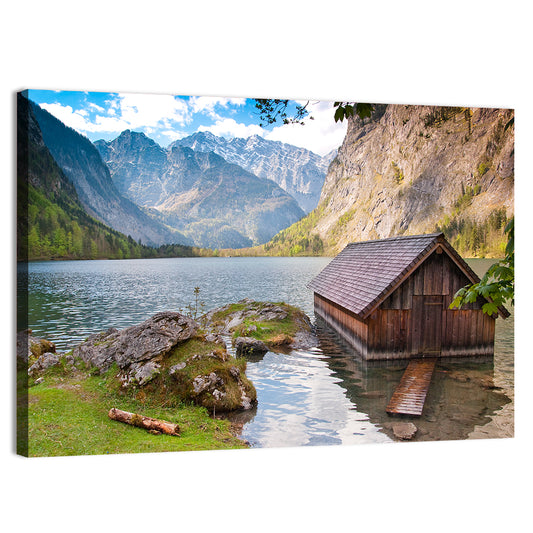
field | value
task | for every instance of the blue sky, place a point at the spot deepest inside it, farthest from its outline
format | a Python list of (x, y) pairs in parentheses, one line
[(165, 118)]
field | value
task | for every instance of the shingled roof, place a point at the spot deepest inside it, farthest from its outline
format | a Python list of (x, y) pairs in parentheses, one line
[(365, 273)]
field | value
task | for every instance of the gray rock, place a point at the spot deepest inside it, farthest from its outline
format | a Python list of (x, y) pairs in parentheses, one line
[(175, 368), (44, 362), (202, 383), (218, 395), (304, 337), (96, 349), (144, 373), (212, 337), (249, 346), (404, 430), (272, 312), (137, 347), (246, 402), (235, 322)]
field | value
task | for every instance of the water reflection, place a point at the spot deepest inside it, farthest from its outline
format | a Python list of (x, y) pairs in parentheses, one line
[(461, 397), (302, 403)]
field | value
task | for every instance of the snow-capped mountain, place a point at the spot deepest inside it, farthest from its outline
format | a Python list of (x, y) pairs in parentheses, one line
[(215, 203), (298, 171)]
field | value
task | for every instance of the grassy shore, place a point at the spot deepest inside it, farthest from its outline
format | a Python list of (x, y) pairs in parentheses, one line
[(68, 403), (67, 415)]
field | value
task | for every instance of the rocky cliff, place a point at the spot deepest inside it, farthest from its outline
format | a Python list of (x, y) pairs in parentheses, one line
[(297, 171), (215, 203), (417, 169)]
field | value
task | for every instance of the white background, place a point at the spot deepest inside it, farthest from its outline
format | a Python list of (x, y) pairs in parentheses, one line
[(452, 53)]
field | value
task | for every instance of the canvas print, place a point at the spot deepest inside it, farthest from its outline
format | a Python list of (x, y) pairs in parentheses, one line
[(199, 273)]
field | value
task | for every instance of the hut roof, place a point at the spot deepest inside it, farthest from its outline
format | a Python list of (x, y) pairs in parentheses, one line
[(365, 273)]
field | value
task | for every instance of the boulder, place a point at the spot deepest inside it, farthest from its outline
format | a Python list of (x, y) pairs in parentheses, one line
[(272, 312), (217, 339), (141, 374), (214, 381), (247, 316), (137, 350), (249, 346), (44, 362), (404, 430)]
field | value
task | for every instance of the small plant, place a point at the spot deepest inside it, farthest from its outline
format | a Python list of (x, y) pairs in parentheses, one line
[(440, 115), (482, 169), (196, 308), (398, 174)]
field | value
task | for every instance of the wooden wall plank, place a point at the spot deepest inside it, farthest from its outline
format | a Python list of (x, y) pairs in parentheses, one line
[(418, 280)]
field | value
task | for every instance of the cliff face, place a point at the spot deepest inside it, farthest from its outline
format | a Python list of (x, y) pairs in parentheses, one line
[(417, 169)]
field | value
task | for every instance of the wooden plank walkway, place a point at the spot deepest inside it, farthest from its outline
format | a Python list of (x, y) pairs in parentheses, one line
[(410, 395)]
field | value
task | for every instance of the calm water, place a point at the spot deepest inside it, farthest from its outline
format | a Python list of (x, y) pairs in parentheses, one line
[(317, 397)]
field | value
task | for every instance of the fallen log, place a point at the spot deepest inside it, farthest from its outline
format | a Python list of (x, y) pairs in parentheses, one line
[(151, 424)]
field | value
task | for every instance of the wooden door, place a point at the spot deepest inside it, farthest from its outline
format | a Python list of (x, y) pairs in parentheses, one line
[(427, 325)]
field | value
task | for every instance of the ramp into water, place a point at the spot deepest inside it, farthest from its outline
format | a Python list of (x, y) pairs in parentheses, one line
[(410, 395)]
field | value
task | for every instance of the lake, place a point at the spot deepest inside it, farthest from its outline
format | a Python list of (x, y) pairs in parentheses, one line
[(315, 397)]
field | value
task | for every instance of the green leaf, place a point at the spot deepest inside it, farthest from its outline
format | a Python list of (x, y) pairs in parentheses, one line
[(339, 114), (364, 110), (471, 296), (490, 308)]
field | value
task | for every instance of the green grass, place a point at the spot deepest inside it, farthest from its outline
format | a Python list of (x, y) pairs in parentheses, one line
[(272, 332), (219, 317), (68, 415)]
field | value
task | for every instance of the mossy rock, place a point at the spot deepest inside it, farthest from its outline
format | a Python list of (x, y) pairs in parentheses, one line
[(278, 325)]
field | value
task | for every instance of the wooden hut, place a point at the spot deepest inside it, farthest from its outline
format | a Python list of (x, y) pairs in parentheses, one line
[(390, 299)]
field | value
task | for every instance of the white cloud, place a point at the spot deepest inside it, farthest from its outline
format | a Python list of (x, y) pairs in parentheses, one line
[(109, 124), (124, 111), (229, 127), (68, 116), (173, 135), (140, 110), (153, 113), (96, 107), (207, 104), (320, 135)]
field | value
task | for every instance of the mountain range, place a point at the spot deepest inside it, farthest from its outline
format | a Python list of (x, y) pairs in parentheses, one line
[(215, 203), (52, 222), (404, 170), (297, 171), (81, 162)]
